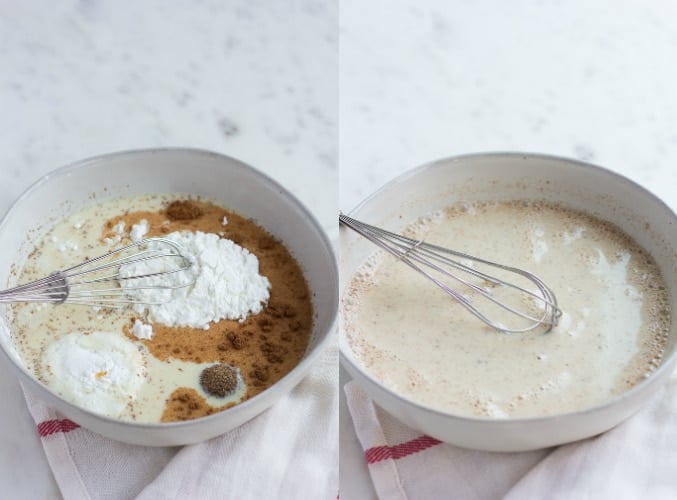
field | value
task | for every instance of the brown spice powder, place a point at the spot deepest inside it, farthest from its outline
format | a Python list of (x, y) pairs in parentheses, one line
[(183, 210), (266, 346)]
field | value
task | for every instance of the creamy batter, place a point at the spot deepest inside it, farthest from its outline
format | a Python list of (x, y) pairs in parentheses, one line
[(420, 343)]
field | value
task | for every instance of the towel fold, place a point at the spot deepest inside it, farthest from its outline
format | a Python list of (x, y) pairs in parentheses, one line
[(636, 459)]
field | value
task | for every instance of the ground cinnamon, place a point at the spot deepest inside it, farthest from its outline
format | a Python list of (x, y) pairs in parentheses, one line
[(183, 210)]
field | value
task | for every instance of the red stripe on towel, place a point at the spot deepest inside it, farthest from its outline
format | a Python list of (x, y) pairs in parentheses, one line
[(378, 453), (49, 427)]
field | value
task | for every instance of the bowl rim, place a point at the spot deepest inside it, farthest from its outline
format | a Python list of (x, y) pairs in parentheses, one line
[(301, 368), (349, 359)]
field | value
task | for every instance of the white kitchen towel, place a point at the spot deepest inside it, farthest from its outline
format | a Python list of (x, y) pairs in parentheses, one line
[(290, 451), (637, 459)]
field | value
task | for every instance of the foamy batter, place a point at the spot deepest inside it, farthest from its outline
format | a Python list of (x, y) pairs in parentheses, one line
[(420, 343)]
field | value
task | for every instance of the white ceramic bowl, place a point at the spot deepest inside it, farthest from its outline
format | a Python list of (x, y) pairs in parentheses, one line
[(504, 176), (223, 179)]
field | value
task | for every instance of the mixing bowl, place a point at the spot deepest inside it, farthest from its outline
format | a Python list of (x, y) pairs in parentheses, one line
[(226, 181), (502, 177)]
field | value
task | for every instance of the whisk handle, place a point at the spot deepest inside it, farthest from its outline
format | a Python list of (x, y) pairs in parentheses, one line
[(53, 289)]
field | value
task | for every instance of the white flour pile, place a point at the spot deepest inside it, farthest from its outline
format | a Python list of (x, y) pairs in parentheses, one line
[(228, 284), (101, 371)]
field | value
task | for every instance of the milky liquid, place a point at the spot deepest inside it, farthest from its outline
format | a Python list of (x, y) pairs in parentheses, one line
[(36, 326), (417, 341)]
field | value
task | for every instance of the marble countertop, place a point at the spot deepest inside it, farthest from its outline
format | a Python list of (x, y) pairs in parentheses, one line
[(421, 80), (256, 81), (253, 80), (445, 78)]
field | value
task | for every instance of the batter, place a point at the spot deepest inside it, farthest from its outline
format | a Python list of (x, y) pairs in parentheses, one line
[(420, 343), (126, 363)]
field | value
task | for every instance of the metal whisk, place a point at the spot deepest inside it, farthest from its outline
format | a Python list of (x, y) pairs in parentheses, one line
[(99, 281), (446, 269)]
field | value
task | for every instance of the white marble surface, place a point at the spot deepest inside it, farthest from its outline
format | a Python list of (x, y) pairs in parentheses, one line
[(254, 80), (420, 80), (589, 80)]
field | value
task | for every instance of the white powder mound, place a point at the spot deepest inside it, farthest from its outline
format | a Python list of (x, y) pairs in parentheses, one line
[(101, 371), (138, 231), (119, 230), (112, 241), (142, 330), (228, 284)]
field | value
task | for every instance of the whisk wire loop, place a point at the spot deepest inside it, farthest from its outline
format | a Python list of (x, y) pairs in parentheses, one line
[(447, 263), (92, 282)]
